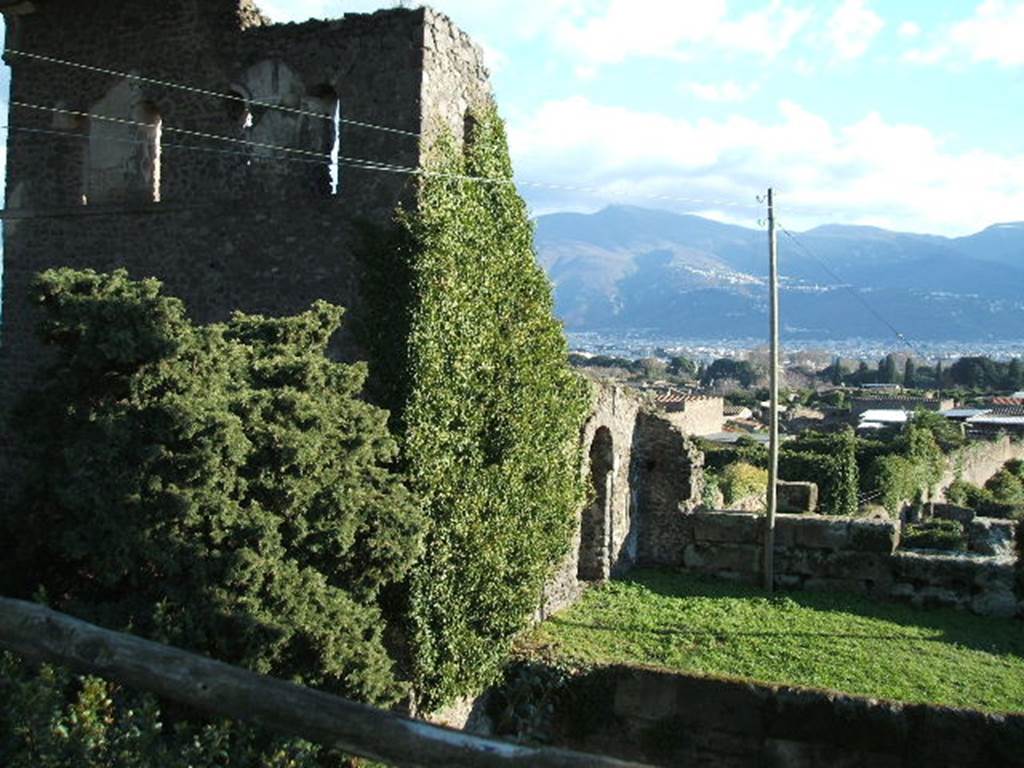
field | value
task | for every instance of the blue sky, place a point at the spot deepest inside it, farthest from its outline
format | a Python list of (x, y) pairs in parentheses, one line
[(903, 114)]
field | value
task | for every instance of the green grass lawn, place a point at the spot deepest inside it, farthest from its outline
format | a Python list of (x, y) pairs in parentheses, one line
[(825, 640)]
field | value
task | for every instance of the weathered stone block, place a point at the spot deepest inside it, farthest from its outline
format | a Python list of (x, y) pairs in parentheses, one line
[(783, 753), (800, 562), (788, 581), (996, 602), (797, 498), (834, 585), (872, 569), (727, 527), (722, 557), (706, 703), (953, 512), (990, 536), (937, 597), (874, 536), (815, 532), (645, 696), (961, 573)]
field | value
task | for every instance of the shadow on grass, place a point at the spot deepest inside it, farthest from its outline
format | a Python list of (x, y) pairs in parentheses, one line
[(1002, 637)]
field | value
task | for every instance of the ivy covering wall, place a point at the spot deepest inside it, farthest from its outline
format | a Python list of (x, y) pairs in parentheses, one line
[(831, 462), (490, 412)]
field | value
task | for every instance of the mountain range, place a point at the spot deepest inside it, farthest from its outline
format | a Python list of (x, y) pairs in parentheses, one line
[(626, 268)]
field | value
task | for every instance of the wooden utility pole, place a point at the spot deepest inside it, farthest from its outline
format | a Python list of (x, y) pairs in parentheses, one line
[(773, 384)]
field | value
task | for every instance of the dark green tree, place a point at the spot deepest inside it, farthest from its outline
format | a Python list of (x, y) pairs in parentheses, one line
[(887, 372), (221, 488), (683, 367), (863, 373), (725, 368), (1015, 374), (976, 373), (910, 373)]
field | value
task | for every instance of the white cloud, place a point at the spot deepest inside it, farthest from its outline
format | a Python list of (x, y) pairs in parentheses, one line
[(894, 175), (727, 92), (909, 29), (671, 29), (495, 59), (768, 32), (852, 28), (995, 33)]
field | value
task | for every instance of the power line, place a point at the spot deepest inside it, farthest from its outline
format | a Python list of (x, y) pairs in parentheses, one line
[(857, 294), (169, 129), (355, 162), (205, 92), (310, 156)]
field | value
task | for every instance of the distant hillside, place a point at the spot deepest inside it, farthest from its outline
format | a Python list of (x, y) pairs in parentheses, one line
[(631, 268)]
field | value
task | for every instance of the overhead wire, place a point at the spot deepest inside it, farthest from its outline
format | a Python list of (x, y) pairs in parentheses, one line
[(842, 283), (206, 92), (317, 157)]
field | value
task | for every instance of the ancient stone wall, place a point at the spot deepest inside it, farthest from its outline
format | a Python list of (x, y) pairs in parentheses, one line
[(601, 545), (644, 475), (697, 415), (250, 221), (668, 481), (662, 718), (979, 460), (852, 555)]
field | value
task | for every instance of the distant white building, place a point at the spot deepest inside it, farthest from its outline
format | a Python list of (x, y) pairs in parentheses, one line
[(882, 418)]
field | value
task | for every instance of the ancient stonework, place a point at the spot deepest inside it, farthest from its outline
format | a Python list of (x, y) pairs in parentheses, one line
[(261, 219), (643, 476), (859, 555)]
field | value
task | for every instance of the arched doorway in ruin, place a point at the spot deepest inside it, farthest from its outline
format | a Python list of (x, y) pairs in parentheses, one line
[(596, 523)]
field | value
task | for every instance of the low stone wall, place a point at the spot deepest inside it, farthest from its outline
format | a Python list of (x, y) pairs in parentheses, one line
[(698, 415), (664, 718), (849, 554), (979, 460)]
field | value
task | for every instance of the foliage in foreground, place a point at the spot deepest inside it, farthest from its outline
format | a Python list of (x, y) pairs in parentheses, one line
[(219, 488), (827, 640), (491, 415), (934, 534), (50, 718), (829, 460)]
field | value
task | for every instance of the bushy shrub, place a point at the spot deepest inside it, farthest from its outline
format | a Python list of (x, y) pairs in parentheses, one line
[(221, 488), (740, 481), (895, 477), (999, 498), (828, 460), (50, 718), (718, 456), (934, 534)]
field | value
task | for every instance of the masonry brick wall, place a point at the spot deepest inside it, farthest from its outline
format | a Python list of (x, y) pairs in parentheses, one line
[(236, 227), (848, 554), (664, 718)]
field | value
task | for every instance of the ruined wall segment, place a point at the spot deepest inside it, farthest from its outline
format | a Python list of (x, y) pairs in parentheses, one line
[(603, 539), (224, 224)]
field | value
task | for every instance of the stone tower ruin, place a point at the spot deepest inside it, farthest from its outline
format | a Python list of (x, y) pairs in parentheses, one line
[(106, 171)]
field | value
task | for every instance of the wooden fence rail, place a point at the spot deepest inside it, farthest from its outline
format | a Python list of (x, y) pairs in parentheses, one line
[(39, 633)]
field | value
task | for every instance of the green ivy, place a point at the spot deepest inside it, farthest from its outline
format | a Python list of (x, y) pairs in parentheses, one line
[(913, 471), (475, 369), (828, 460)]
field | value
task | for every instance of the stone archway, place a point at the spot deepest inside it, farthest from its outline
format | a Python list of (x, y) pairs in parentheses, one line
[(594, 562)]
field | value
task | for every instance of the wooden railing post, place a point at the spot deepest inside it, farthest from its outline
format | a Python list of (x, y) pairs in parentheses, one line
[(37, 632)]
